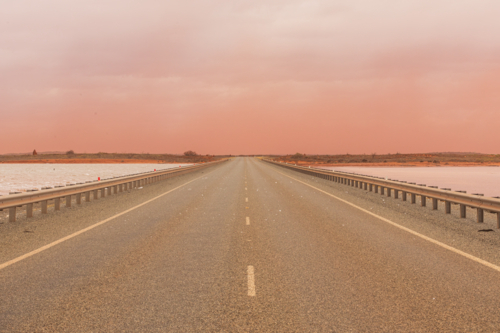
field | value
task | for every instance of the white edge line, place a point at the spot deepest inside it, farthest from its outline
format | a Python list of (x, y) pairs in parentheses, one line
[(443, 245), (48, 246)]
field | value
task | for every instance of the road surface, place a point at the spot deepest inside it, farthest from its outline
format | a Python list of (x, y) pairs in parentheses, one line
[(248, 247)]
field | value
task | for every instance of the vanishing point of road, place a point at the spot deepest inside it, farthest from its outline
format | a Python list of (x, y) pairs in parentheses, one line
[(248, 247)]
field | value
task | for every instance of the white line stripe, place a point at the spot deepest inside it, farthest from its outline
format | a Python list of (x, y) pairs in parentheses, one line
[(248, 220), (48, 246), (438, 243), (251, 281), (245, 188), (246, 199)]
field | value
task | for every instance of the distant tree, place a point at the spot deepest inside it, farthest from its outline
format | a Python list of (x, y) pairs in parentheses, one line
[(70, 152), (190, 153), (34, 152), (297, 156), (374, 154)]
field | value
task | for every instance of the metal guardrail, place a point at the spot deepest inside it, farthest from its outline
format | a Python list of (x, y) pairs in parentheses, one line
[(105, 186), (411, 190)]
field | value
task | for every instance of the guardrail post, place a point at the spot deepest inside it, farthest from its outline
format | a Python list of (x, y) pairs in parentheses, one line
[(423, 200), (388, 192), (44, 206), (498, 220), (434, 203), (103, 192), (371, 187), (116, 189), (87, 196), (403, 193), (78, 198), (57, 204), (396, 194), (447, 207), (29, 210), (12, 214), (463, 212), (382, 190), (413, 198), (480, 215), (68, 201), (376, 188), (96, 195)]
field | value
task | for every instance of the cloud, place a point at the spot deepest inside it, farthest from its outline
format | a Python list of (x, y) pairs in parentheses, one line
[(249, 77)]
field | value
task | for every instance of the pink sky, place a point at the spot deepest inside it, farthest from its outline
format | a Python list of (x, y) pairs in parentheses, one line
[(249, 77)]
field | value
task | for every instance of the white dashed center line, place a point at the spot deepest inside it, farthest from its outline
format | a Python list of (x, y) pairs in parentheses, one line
[(248, 220), (246, 199), (251, 281)]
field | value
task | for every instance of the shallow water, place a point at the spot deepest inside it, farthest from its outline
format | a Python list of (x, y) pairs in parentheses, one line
[(22, 177), (485, 180)]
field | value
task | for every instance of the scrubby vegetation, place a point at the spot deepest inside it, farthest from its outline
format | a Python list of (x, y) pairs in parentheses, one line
[(406, 159), (188, 157)]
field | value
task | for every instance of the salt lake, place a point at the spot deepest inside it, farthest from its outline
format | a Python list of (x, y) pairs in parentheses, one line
[(485, 180), (22, 177)]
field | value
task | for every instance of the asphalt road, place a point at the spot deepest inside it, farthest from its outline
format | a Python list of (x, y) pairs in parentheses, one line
[(248, 247)]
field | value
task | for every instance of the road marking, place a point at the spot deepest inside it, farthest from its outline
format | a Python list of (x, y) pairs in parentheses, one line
[(48, 246), (246, 199), (245, 188), (251, 281), (248, 220), (432, 240)]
